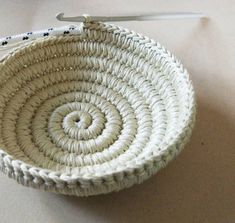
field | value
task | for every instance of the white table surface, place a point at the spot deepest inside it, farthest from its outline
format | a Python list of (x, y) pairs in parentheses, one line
[(199, 186)]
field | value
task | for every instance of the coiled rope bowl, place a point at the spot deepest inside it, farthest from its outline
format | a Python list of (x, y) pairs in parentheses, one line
[(92, 113)]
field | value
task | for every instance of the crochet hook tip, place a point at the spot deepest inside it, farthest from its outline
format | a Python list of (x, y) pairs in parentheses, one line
[(60, 16)]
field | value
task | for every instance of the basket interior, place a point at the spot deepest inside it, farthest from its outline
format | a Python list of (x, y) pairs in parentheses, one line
[(94, 103)]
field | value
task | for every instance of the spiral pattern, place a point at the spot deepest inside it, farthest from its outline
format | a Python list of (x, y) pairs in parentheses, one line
[(101, 103)]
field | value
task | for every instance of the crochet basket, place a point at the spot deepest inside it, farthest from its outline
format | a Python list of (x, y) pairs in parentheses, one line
[(92, 113)]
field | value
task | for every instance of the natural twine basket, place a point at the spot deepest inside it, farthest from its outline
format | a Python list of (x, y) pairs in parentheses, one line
[(92, 113)]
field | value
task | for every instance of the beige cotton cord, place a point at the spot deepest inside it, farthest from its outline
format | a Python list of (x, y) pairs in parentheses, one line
[(92, 113)]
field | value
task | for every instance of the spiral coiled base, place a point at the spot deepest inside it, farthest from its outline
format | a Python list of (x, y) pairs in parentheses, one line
[(92, 113)]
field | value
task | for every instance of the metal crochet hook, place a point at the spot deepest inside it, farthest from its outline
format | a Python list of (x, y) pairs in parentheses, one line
[(143, 17)]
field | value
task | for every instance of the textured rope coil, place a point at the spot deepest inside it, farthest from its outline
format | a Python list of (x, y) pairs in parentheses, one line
[(92, 113)]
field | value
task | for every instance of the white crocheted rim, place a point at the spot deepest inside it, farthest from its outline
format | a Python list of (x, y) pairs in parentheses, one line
[(84, 185)]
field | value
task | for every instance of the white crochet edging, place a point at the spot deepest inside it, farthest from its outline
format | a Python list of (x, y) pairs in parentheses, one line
[(92, 113)]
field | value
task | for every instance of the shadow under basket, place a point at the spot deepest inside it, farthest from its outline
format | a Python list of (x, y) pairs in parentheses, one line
[(92, 113)]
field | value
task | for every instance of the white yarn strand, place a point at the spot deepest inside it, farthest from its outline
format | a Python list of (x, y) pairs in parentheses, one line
[(10, 42)]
